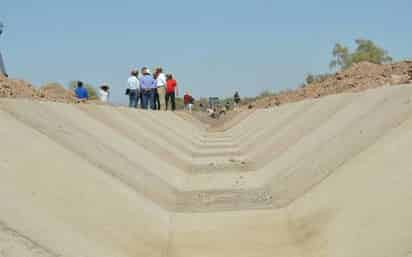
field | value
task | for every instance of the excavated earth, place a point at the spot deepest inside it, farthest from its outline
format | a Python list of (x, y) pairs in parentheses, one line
[(321, 177), (12, 88), (357, 78)]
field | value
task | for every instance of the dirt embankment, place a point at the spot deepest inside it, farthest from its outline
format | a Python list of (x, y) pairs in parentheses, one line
[(16, 88), (21, 89), (357, 78), (56, 92)]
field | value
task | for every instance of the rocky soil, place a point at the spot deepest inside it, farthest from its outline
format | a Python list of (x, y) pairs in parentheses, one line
[(357, 78), (56, 92), (21, 89)]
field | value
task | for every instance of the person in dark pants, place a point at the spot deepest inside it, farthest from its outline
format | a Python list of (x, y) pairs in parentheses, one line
[(2, 67), (156, 99), (236, 100), (156, 94), (171, 91)]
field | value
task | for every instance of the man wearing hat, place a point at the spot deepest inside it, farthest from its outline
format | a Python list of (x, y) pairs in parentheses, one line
[(133, 89), (104, 93), (148, 88), (161, 88)]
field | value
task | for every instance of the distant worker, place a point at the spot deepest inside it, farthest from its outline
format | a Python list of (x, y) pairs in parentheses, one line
[(148, 87), (188, 101), (156, 95), (133, 89), (2, 67), (171, 91), (236, 100), (227, 106), (160, 88), (81, 92), (104, 93)]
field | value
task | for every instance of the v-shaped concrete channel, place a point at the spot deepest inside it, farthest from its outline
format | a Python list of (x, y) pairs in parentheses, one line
[(275, 182)]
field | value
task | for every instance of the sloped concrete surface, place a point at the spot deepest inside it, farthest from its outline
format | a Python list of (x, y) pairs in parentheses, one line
[(321, 177)]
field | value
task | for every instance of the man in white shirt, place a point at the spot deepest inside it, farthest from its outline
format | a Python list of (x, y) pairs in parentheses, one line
[(133, 89), (161, 88)]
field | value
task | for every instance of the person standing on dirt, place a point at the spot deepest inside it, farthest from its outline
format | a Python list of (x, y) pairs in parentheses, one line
[(171, 91), (148, 87), (227, 106), (236, 99), (133, 89), (188, 101), (81, 93), (104, 93), (156, 95), (2, 67), (161, 88)]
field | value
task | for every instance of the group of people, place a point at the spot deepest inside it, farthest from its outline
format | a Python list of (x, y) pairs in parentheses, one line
[(82, 94), (156, 91), (153, 91)]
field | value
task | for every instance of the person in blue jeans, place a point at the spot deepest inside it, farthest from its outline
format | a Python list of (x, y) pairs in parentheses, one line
[(81, 92), (148, 87), (133, 89)]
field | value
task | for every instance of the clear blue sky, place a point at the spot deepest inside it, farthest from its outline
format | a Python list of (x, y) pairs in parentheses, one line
[(213, 47)]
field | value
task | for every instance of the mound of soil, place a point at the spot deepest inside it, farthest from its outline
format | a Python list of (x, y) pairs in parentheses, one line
[(56, 92), (16, 88), (357, 78), (21, 89)]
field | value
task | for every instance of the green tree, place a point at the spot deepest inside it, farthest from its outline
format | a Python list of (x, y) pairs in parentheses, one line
[(366, 50), (90, 89), (341, 57)]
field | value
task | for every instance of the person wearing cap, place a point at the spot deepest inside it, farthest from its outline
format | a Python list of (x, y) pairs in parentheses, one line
[(104, 93), (148, 87), (161, 88), (133, 89), (81, 93)]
